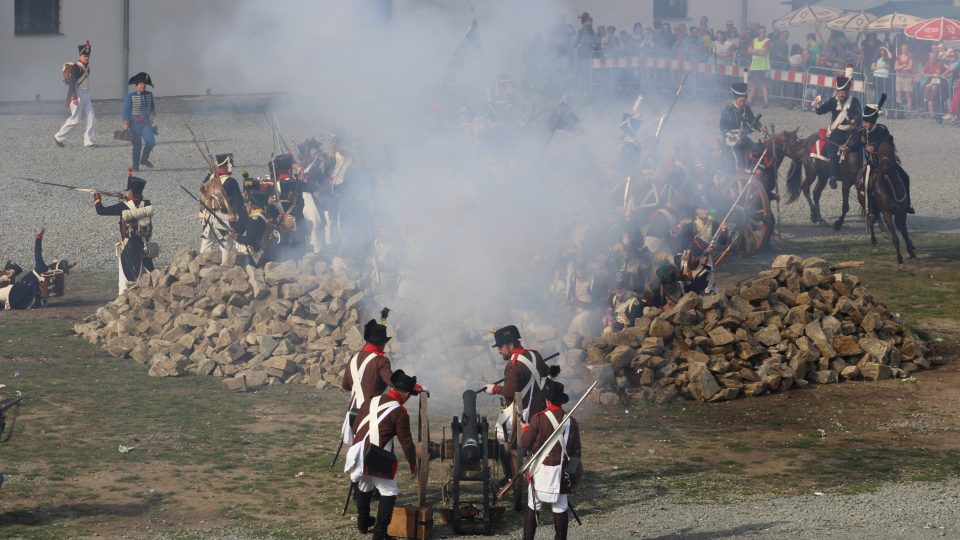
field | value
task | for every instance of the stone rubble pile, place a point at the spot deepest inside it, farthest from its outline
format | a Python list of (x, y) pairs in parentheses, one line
[(290, 322), (801, 322)]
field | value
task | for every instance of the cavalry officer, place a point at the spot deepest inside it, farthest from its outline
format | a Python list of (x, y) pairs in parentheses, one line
[(737, 121), (139, 112), (845, 114), (556, 472), (873, 135), (525, 372), (368, 462)]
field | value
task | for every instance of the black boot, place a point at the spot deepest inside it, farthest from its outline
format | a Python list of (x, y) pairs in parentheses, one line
[(529, 524), (560, 524), (136, 155), (506, 461), (384, 514), (145, 158), (364, 521)]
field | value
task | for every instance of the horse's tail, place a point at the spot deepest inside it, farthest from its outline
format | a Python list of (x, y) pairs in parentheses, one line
[(794, 180)]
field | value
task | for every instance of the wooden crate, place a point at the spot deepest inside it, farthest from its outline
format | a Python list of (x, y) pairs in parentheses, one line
[(411, 522)]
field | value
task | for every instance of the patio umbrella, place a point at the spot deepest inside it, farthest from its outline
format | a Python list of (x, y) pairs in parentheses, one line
[(939, 29), (807, 15), (892, 21), (852, 22)]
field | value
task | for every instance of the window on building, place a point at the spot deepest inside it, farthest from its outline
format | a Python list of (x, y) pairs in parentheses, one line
[(669, 9), (36, 16)]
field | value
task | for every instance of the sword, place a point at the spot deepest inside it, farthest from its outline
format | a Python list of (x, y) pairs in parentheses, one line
[(535, 459), (337, 453), (116, 194), (574, 512), (346, 503)]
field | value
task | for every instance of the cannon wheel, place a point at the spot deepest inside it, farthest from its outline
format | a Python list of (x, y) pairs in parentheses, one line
[(423, 452), (753, 218)]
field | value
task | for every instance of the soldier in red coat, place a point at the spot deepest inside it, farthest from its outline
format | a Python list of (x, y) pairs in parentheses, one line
[(368, 462), (556, 471)]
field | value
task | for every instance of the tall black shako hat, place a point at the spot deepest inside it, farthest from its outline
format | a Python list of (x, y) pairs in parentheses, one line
[(136, 184), (142, 77), (553, 392), (871, 112), (224, 160), (843, 83), (738, 89), (403, 382), (84, 48), (505, 335), (375, 333)]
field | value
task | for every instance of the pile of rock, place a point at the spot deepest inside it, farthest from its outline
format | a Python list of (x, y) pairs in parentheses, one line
[(801, 322), (290, 322)]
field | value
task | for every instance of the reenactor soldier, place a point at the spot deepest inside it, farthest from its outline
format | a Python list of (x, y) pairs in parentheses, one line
[(258, 237), (524, 372), (845, 114), (26, 293), (624, 305), (368, 462), (135, 251), (76, 75), (221, 193), (737, 122), (558, 470), (872, 135), (368, 372), (139, 112)]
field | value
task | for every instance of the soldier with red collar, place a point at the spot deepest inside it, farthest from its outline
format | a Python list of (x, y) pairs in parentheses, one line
[(524, 372), (368, 372), (369, 464), (557, 470)]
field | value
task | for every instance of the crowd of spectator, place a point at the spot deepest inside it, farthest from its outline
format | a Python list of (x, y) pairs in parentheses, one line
[(918, 77)]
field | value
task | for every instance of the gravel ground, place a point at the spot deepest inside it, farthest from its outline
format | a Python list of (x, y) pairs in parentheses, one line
[(236, 124)]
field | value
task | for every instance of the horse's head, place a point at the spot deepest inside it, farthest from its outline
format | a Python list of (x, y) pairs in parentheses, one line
[(790, 145), (886, 158)]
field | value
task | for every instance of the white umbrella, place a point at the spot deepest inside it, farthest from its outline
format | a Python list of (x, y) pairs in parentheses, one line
[(852, 22), (807, 15), (892, 21)]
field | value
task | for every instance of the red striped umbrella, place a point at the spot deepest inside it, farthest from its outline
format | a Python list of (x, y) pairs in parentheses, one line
[(939, 29)]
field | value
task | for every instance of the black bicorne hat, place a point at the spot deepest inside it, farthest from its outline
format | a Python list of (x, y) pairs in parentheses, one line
[(375, 333), (553, 392), (871, 112), (843, 82), (142, 77), (403, 382), (505, 335), (259, 198), (585, 17), (136, 184), (13, 266), (738, 89), (84, 48)]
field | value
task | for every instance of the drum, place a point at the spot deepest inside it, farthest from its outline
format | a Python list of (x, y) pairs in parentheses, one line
[(52, 284)]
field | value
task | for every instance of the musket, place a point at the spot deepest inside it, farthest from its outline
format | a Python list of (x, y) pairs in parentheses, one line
[(535, 459), (3, 425), (207, 157), (547, 359), (207, 208), (676, 97), (116, 194), (336, 455), (713, 240)]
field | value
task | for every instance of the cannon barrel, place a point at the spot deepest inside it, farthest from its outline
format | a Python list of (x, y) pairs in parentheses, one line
[(470, 451)]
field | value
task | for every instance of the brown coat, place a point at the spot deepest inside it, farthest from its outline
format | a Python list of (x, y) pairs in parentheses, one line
[(396, 424), (516, 376), (375, 378), (540, 428)]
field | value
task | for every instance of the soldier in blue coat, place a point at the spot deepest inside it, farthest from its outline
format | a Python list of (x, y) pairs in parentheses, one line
[(139, 111)]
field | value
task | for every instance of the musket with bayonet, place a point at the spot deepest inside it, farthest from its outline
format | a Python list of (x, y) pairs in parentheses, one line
[(14, 402), (116, 194), (207, 157), (536, 458)]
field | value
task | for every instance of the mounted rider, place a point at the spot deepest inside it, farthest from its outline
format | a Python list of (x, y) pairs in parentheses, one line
[(737, 122), (845, 113), (871, 136)]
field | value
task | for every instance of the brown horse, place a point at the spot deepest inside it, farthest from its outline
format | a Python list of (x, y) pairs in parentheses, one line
[(886, 197), (784, 144), (804, 172)]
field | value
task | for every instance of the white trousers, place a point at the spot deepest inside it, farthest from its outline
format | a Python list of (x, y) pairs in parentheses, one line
[(311, 214), (225, 245), (387, 488), (4, 294), (122, 282), (81, 110)]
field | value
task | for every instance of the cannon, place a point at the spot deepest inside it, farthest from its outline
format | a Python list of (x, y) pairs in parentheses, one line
[(468, 502)]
